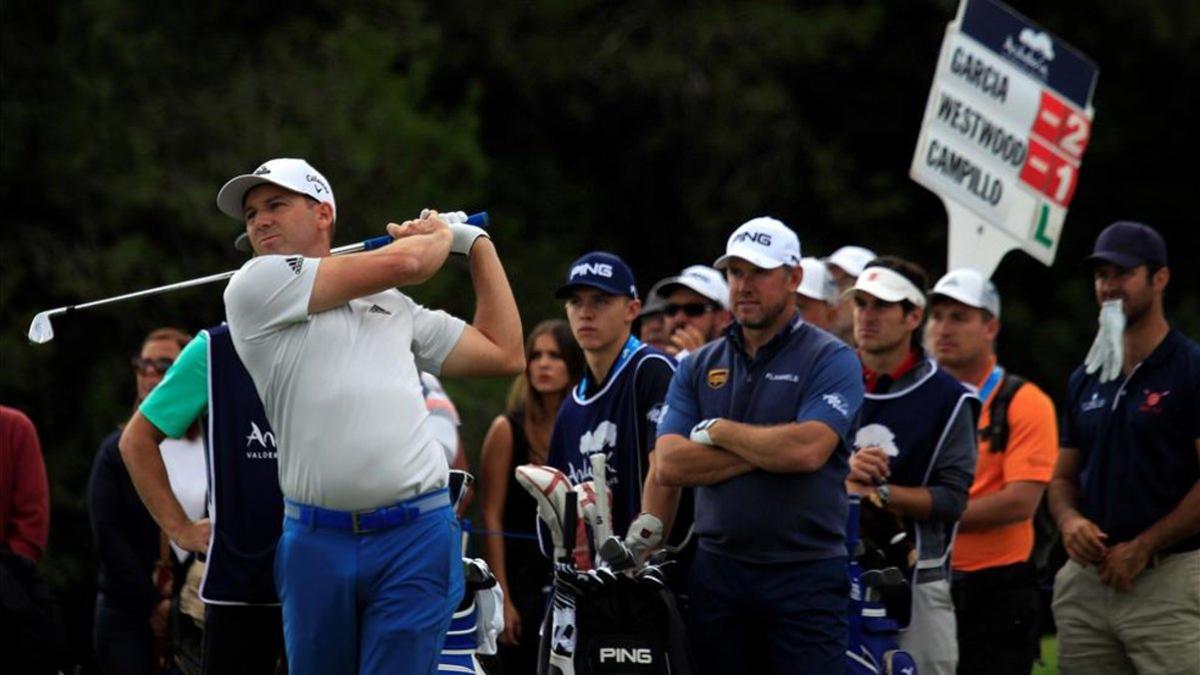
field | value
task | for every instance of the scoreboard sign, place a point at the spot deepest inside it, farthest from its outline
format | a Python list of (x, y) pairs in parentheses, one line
[(1007, 123)]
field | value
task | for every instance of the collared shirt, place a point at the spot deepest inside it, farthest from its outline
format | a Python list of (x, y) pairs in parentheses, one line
[(874, 380), (1137, 440), (341, 387), (1029, 455), (803, 374)]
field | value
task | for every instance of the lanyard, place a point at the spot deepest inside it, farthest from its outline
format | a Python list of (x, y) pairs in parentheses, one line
[(631, 345), (990, 383)]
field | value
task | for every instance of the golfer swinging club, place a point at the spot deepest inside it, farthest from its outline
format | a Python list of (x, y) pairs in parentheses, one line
[(368, 568)]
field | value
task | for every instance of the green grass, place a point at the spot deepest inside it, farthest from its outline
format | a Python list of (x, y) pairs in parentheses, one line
[(1049, 662)]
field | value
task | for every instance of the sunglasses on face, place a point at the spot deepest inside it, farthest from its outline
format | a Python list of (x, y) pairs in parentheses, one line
[(692, 309), (144, 366)]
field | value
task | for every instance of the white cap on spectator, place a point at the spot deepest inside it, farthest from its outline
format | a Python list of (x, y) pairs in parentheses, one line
[(700, 278), (763, 242), (971, 288), (888, 285), (296, 175), (817, 283), (851, 259)]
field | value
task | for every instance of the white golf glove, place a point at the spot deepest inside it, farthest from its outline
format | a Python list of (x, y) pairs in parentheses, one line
[(1108, 349), (700, 432), (464, 234)]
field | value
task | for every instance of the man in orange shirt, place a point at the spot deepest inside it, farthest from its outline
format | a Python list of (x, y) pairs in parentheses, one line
[(995, 593)]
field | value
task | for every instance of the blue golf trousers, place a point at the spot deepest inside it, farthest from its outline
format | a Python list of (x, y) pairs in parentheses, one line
[(378, 602), (768, 618)]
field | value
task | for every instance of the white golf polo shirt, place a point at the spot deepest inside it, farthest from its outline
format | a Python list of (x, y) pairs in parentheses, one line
[(341, 388)]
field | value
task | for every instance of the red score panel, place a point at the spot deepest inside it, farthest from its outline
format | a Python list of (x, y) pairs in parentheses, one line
[(1049, 173), (1062, 125)]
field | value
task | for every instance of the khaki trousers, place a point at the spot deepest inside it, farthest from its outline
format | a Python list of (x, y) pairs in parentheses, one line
[(932, 637), (1155, 628)]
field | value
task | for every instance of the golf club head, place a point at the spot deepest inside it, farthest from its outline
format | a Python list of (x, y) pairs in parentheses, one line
[(616, 555), (550, 488), (651, 576), (461, 488), (41, 330)]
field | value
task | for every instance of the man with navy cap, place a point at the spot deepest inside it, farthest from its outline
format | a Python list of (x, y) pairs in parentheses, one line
[(1126, 490), (760, 421), (616, 406)]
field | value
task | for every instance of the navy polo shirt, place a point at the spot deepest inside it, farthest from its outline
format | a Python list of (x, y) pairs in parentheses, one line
[(803, 374), (1137, 439)]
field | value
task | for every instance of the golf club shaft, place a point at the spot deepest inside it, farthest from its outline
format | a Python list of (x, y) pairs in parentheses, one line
[(480, 219)]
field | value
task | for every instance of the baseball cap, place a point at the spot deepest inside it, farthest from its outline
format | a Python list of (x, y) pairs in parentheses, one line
[(296, 175), (817, 283), (851, 259), (888, 285), (1128, 244), (602, 270), (969, 287), (700, 278), (763, 242), (653, 305)]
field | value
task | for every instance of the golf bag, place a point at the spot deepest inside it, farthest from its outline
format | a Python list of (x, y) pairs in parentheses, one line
[(875, 577), (622, 625)]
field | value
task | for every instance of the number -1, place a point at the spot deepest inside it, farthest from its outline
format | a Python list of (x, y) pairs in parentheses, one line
[(1065, 175)]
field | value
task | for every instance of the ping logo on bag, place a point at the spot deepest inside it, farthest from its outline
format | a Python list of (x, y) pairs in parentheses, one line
[(640, 656)]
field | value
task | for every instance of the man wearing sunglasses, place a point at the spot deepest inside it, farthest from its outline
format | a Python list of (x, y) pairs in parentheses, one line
[(696, 308)]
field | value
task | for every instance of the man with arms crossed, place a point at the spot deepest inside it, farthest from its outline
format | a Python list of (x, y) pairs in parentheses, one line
[(915, 447), (1126, 489), (760, 422), (368, 567), (996, 595)]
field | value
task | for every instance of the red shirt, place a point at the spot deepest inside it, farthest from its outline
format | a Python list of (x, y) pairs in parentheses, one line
[(873, 380), (24, 491)]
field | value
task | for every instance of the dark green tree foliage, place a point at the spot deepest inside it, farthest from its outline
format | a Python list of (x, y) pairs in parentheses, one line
[(650, 129)]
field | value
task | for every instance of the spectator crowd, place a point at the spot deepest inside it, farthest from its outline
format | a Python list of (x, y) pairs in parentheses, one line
[(277, 501)]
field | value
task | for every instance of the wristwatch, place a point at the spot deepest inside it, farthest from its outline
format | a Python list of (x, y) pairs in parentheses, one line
[(885, 493)]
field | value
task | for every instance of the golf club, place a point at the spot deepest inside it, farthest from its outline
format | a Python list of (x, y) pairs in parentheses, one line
[(41, 330)]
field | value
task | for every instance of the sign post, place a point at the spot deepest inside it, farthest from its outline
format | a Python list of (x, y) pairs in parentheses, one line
[(1007, 122)]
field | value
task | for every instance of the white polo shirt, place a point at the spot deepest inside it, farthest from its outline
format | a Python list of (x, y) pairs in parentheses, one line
[(341, 388)]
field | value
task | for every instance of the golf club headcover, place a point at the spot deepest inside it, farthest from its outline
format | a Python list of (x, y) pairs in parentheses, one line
[(550, 488), (644, 535)]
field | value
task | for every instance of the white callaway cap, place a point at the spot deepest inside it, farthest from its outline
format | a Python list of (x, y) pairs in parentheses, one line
[(852, 259), (762, 242), (971, 288), (888, 285), (296, 175), (700, 278), (817, 283)]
